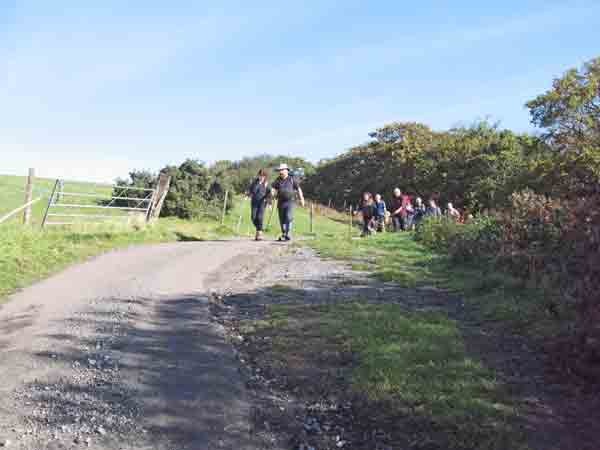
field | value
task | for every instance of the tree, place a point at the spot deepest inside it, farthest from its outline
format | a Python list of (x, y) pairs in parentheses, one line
[(570, 115), (570, 111)]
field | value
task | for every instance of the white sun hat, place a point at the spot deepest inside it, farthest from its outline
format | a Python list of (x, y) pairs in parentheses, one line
[(282, 166)]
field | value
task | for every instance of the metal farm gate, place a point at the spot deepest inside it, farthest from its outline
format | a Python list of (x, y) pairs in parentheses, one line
[(76, 203)]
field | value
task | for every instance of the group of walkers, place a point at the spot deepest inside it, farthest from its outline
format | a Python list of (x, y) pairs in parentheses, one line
[(403, 214), (284, 189)]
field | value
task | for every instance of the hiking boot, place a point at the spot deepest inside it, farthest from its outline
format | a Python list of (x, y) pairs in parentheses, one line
[(259, 236), (287, 237)]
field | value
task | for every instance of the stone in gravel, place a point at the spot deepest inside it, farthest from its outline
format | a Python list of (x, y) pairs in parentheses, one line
[(101, 431)]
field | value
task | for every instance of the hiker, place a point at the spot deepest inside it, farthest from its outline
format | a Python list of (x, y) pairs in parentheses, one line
[(419, 212), (380, 213), (285, 187), (397, 211), (433, 210), (409, 215), (452, 212), (259, 193), (368, 210)]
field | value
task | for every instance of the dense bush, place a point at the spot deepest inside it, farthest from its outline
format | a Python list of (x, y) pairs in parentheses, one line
[(475, 167), (478, 239), (195, 190)]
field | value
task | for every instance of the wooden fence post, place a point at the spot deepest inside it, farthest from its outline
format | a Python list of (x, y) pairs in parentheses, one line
[(224, 207), (61, 189), (164, 183), (312, 213), (28, 197)]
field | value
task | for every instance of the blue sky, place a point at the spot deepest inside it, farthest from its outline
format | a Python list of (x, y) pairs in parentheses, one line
[(89, 90)]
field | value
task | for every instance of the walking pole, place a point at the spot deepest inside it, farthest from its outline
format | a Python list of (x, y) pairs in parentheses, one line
[(270, 217), (350, 229)]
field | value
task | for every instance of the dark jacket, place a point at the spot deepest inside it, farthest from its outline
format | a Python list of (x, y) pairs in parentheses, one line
[(259, 193), (433, 212)]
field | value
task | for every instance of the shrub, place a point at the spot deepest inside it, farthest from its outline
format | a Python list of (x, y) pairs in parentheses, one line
[(195, 190), (531, 234), (552, 243), (478, 239)]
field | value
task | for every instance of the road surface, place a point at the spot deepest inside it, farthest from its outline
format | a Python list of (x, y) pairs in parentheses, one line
[(120, 353)]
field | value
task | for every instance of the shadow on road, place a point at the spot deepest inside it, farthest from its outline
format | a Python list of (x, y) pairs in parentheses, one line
[(148, 373)]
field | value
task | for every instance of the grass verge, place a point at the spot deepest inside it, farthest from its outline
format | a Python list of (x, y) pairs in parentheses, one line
[(417, 381), (30, 254), (494, 296)]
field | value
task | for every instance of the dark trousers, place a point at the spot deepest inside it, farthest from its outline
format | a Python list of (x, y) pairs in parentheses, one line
[(258, 215), (367, 225), (286, 216), (398, 223)]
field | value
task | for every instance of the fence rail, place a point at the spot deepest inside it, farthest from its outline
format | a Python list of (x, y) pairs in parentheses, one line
[(16, 211), (67, 207)]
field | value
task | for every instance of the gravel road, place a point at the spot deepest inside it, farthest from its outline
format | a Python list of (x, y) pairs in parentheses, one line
[(120, 353)]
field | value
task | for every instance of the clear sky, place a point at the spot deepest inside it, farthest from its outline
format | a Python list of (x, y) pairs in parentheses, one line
[(91, 89)]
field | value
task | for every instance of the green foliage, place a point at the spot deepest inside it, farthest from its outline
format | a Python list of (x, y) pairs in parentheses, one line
[(477, 240), (192, 193), (570, 111), (570, 115), (196, 190), (241, 173), (476, 167)]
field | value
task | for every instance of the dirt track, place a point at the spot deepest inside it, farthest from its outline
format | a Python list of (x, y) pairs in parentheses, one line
[(120, 353)]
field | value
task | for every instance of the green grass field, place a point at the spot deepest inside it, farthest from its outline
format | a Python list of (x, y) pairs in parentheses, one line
[(12, 195)]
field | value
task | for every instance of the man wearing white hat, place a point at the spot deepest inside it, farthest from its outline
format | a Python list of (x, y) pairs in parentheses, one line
[(285, 187)]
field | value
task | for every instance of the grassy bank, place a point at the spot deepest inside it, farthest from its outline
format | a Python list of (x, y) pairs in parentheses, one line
[(29, 254)]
